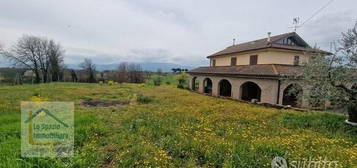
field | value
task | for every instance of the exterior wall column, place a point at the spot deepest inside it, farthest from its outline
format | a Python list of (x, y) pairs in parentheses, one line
[(190, 82), (236, 83), (201, 84), (283, 85), (269, 91), (305, 93), (215, 87)]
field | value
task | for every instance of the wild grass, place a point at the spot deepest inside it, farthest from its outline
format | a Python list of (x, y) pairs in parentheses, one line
[(171, 127)]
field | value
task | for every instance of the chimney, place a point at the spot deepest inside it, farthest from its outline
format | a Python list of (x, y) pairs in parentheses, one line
[(269, 33), (234, 42)]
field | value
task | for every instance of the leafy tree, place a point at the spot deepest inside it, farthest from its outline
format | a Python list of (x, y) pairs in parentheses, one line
[(182, 79), (332, 77)]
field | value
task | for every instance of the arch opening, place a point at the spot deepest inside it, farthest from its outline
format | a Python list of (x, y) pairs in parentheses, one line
[(207, 85), (225, 88), (249, 91), (292, 95), (194, 84)]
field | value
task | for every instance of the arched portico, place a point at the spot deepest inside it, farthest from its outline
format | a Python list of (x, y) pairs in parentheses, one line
[(194, 84), (207, 85), (225, 88), (250, 90), (292, 95)]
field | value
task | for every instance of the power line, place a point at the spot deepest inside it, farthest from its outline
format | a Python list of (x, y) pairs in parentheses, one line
[(317, 12)]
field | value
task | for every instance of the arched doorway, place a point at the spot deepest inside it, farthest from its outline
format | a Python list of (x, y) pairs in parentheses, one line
[(249, 91), (292, 95), (194, 83), (207, 85), (225, 88)]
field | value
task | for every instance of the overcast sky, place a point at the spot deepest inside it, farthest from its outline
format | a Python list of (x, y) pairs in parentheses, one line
[(173, 31)]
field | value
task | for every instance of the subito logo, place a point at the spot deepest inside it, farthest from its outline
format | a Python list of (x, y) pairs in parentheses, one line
[(279, 162)]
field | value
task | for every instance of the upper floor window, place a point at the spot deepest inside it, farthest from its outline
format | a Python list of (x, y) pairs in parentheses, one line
[(213, 62), (296, 60), (288, 41), (233, 61), (253, 60), (293, 41)]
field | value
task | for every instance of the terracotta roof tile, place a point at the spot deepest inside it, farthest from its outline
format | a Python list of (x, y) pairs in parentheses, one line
[(263, 43)]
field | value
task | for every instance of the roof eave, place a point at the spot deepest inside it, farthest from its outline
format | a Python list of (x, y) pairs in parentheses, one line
[(215, 55), (235, 74)]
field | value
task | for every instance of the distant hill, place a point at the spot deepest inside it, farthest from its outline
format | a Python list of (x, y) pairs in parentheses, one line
[(165, 67)]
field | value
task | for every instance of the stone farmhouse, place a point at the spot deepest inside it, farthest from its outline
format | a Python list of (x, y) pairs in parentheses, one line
[(257, 70)]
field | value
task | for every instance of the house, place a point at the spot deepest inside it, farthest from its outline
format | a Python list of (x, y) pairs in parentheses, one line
[(257, 71)]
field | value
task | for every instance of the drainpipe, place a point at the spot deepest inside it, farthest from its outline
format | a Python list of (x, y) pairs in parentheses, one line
[(279, 83)]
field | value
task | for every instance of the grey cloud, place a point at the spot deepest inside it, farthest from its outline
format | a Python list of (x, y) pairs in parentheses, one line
[(173, 31), (328, 28), (150, 55)]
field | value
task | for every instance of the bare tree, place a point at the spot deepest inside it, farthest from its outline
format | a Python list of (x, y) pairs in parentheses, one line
[(55, 57), (74, 76), (123, 75), (89, 69), (135, 73), (131, 73), (333, 77), (35, 53), (23, 54)]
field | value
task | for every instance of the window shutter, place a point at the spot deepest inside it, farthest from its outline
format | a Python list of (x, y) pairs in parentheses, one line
[(253, 59), (233, 61)]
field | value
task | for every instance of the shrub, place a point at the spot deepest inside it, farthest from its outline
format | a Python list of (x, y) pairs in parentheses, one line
[(180, 86), (36, 94), (110, 82), (144, 99), (157, 80)]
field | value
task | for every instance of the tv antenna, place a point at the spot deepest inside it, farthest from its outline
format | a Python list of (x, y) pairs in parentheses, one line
[(296, 22)]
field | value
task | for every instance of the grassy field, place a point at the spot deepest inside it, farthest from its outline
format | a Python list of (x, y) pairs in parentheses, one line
[(171, 127)]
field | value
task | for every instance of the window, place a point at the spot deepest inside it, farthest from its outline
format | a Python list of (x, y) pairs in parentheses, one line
[(291, 41), (296, 60), (233, 61), (253, 59), (213, 62)]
